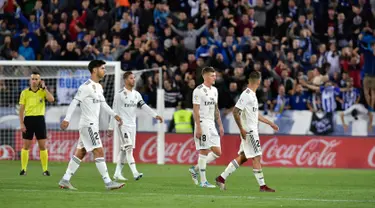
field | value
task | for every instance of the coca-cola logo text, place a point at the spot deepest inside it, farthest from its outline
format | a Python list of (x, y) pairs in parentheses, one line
[(314, 152), (175, 152), (7, 152)]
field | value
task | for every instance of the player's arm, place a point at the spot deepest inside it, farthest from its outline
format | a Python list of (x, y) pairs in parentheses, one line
[(49, 96), (196, 115), (218, 120), (141, 104), (266, 121), (106, 108), (22, 103), (115, 105), (80, 95), (237, 110)]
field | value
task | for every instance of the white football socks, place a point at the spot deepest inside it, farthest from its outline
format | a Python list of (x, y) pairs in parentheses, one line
[(102, 167), (120, 162), (131, 161), (202, 163), (258, 173), (232, 166), (72, 167), (210, 158)]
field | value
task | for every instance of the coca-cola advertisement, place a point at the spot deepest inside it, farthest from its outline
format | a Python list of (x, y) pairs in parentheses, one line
[(61, 146), (278, 151)]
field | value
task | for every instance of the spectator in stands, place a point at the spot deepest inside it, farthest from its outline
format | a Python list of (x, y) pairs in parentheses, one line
[(298, 101), (230, 35), (25, 50)]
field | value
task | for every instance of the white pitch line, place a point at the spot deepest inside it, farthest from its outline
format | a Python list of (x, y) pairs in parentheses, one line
[(193, 195)]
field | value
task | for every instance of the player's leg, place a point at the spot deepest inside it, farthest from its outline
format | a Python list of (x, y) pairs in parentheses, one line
[(130, 137), (27, 141), (258, 173), (41, 136), (121, 155), (92, 142), (232, 166), (73, 166), (121, 159), (255, 154), (214, 143), (102, 168)]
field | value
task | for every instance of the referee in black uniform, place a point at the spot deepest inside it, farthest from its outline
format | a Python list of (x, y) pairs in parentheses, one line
[(32, 110)]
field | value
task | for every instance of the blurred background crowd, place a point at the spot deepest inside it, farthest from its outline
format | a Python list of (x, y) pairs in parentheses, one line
[(313, 55)]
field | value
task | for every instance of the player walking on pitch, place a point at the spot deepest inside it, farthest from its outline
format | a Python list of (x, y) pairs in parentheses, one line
[(246, 115), (125, 104), (91, 100), (205, 112)]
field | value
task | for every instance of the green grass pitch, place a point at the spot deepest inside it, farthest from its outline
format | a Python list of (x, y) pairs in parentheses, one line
[(171, 186)]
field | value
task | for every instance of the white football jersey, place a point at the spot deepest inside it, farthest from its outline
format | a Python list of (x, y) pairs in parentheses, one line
[(90, 96), (207, 99), (125, 105), (248, 103)]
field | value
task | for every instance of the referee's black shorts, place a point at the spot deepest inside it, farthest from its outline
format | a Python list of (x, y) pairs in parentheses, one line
[(35, 125)]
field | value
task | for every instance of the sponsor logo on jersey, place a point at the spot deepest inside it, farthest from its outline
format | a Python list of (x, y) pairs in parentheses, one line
[(130, 104), (211, 102)]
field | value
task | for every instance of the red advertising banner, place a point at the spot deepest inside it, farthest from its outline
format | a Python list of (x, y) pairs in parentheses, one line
[(61, 146), (278, 151)]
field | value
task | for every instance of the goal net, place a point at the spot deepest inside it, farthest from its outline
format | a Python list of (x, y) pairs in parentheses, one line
[(63, 80)]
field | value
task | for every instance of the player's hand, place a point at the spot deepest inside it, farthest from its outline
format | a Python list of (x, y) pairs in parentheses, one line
[(119, 120), (221, 130), (243, 133), (159, 118), (345, 127), (109, 133), (198, 133), (23, 128), (64, 125), (274, 126)]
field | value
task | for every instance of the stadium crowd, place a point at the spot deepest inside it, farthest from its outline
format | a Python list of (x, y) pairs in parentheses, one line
[(312, 54)]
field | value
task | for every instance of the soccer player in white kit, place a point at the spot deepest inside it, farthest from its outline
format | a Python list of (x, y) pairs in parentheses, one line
[(207, 139), (125, 104), (91, 100), (246, 115)]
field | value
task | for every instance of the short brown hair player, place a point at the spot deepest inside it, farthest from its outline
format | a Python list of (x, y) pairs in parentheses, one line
[(32, 110)]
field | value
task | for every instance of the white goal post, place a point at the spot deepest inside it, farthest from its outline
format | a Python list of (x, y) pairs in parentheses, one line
[(72, 73)]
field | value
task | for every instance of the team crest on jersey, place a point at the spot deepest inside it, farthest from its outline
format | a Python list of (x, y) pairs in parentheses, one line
[(93, 87), (126, 94)]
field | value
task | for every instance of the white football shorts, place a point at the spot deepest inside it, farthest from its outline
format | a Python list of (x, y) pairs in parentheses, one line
[(127, 136), (251, 145), (210, 137), (89, 138)]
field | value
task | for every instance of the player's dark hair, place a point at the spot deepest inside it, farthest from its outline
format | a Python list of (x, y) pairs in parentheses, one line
[(207, 70), (127, 74), (254, 76), (35, 73), (95, 63)]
